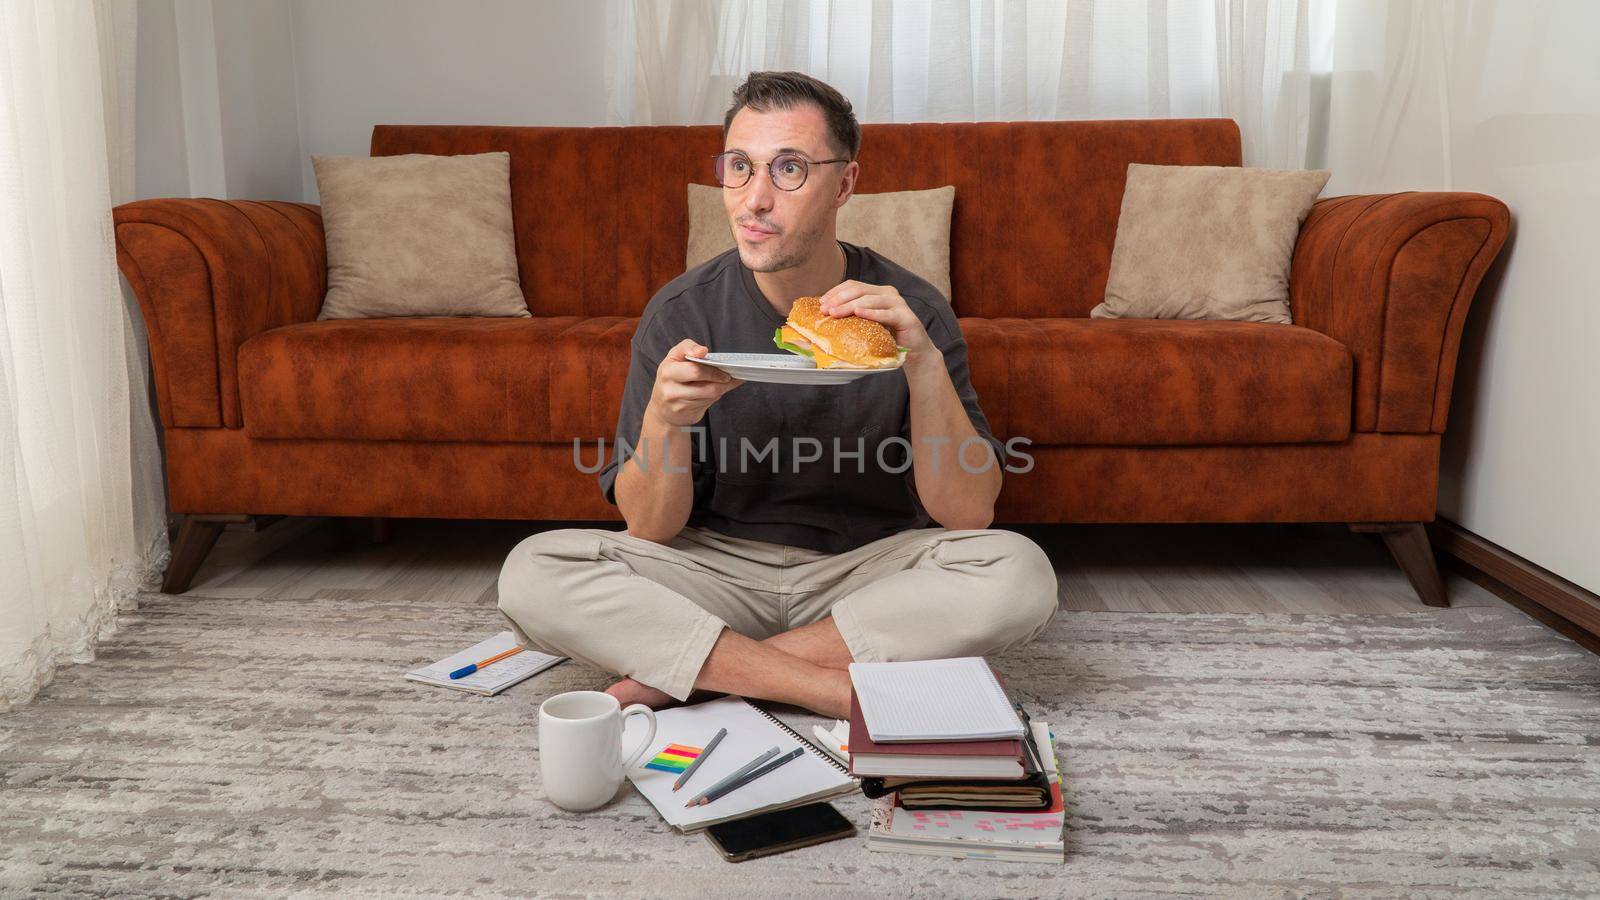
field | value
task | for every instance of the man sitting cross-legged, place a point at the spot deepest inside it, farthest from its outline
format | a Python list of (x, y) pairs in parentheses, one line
[(776, 532)]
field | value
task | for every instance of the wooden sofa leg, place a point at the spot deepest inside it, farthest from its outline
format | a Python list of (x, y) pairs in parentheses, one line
[(1408, 544), (196, 536)]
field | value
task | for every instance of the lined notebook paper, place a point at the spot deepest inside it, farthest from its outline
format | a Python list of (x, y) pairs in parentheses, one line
[(934, 700)]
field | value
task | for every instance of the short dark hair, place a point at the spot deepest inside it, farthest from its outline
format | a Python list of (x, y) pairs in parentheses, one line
[(764, 91)]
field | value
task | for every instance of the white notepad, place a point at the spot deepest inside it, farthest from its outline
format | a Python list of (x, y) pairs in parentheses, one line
[(810, 777), (491, 679), (934, 700)]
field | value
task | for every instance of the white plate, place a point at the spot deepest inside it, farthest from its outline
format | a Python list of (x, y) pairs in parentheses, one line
[(780, 368)]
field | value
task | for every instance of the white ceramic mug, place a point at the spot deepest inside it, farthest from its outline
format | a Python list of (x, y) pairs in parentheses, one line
[(580, 747)]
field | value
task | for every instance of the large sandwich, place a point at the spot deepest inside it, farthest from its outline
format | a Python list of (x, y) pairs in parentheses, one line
[(846, 342)]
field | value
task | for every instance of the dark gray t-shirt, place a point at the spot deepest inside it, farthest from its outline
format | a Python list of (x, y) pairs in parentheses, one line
[(838, 501)]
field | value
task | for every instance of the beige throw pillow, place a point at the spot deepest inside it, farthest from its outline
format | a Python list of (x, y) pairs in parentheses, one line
[(1207, 242), (419, 235), (911, 228)]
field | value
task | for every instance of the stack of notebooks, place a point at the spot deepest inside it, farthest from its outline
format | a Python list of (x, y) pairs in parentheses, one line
[(953, 766)]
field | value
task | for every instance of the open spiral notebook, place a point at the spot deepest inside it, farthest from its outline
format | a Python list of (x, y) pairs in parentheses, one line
[(751, 731)]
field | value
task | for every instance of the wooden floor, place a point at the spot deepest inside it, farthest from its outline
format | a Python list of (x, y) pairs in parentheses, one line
[(1148, 568)]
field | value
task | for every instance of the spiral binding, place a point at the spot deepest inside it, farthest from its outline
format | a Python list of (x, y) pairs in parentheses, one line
[(825, 755)]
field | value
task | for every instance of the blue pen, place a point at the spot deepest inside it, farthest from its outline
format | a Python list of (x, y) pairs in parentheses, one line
[(466, 670)]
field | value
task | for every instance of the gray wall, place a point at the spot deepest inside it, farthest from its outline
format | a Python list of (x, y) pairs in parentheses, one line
[(216, 100), (365, 62), (234, 96), (161, 165)]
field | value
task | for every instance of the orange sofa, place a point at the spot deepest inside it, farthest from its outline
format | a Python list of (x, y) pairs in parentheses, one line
[(1336, 418)]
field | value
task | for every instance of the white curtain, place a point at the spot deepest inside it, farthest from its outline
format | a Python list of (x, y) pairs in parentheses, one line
[(1392, 125), (678, 61), (81, 514)]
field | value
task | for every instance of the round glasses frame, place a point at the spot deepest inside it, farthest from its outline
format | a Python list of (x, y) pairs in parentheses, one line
[(719, 166)]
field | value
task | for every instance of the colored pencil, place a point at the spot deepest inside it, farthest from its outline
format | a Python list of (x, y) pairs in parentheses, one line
[(717, 793), (743, 770), (682, 779)]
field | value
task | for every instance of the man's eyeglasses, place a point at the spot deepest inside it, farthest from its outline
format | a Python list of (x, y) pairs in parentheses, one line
[(788, 170)]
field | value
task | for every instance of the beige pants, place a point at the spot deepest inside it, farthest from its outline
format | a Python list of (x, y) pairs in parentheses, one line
[(653, 611)]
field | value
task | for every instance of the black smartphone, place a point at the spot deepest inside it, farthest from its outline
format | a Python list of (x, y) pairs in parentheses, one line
[(779, 831)]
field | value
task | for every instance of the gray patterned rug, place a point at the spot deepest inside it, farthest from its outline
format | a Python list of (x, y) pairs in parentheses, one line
[(263, 747)]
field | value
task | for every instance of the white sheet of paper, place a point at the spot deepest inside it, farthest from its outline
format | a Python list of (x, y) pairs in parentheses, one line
[(836, 741), (934, 700)]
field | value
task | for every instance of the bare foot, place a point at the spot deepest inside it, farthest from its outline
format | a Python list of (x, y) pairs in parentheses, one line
[(629, 691)]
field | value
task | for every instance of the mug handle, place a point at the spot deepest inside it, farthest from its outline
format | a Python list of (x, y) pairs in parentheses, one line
[(639, 709)]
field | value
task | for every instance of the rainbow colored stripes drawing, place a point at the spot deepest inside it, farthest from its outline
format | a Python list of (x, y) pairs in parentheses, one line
[(674, 758)]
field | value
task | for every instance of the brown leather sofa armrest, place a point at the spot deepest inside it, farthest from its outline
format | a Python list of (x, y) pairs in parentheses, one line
[(1391, 277), (209, 274)]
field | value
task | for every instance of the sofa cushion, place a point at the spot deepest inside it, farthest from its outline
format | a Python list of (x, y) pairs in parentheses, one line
[(419, 235), (1207, 242), (1158, 381), (437, 378)]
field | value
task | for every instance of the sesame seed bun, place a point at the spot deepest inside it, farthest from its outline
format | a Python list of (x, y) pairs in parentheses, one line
[(857, 342)]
